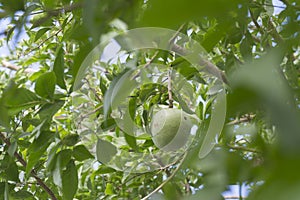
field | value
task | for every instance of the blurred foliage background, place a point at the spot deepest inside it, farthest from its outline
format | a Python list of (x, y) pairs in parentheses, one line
[(255, 43)]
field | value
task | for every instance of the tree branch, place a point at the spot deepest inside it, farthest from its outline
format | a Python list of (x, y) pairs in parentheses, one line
[(33, 172), (15, 67), (167, 180), (242, 148), (241, 120), (208, 66), (170, 88)]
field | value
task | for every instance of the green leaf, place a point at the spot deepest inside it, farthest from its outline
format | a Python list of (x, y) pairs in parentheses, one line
[(13, 5), (12, 148), (4, 117), (108, 124), (105, 151), (119, 89), (269, 7), (17, 99), (59, 67), (218, 115), (64, 156), (81, 153), (40, 33), (11, 171), (48, 110), (109, 190), (104, 170), (70, 140), (45, 85), (103, 87), (38, 148), (22, 194), (78, 61), (165, 13), (131, 141), (69, 181)]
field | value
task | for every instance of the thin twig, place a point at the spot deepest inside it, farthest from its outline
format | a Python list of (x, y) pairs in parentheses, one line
[(255, 22), (44, 41), (167, 180), (146, 65), (241, 120), (33, 172), (57, 11), (241, 148), (208, 66), (172, 40), (170, 88)]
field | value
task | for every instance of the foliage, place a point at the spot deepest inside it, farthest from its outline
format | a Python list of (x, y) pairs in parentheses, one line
[(252, 66)]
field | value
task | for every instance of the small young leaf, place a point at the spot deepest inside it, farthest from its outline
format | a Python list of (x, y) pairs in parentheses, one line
[(109, 189)]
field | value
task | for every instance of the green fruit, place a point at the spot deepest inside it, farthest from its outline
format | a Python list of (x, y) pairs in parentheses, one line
[(171, 128)]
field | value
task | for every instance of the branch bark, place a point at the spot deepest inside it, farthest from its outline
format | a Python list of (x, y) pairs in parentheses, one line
[(208, 66), (33, 172), (13, 67)]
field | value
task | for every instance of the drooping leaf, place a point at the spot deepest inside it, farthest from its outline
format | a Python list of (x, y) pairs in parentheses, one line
[(38, 148), (218, 115), (11, 169), (119, 89), (59, 67), (69, 181), (45, 85), (16, 99)]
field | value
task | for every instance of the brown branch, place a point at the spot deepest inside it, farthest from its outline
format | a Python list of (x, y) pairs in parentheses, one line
[(44, 41), (170, 88), (241, 148), (273, 32), (208, 66), (13, 67), (241, 120), (255, 22), (187, 186), (33, 172), (146, 65), (234, 197)]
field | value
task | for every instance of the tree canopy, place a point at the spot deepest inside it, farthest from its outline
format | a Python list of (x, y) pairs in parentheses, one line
[(82, 80)]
